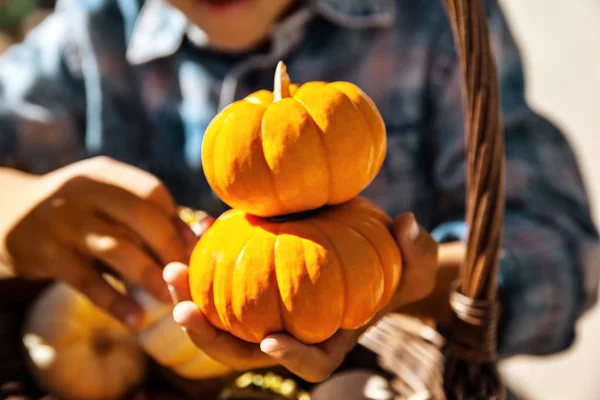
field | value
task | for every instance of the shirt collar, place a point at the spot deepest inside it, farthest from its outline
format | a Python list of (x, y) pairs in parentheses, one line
[(161, 28)]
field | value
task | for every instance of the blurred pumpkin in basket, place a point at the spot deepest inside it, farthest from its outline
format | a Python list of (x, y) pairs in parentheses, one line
[(77, 351)]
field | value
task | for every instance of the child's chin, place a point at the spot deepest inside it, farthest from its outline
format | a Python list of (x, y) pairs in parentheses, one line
[(222, 5), (236, 44)]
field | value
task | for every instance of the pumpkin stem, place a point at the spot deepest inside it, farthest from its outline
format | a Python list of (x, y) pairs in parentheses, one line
[(282, 82)]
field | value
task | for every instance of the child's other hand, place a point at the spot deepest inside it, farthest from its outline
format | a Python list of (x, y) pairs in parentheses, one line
[(312, 363), (419, 252), (89, 217)]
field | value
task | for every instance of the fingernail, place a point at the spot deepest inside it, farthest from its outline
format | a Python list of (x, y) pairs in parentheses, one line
[(413, 231), (178, 314), (131, 314), (188, 235), (132, 320), (272, 348), (160, 290), (172, 294)]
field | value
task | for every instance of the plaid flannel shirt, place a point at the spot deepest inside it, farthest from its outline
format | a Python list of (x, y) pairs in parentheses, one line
[(136, 81)]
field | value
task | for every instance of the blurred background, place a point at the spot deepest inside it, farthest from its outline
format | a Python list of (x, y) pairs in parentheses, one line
[(17, 17), (560, 42)]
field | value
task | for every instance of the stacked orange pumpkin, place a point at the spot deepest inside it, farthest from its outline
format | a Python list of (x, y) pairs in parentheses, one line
[(299, 252)]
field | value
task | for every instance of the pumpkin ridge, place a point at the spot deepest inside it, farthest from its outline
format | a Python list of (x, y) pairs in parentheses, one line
[(256, 309), (219, 128), (365, 237), (229, 295), (214, 160), (341, 222), (335, 253), (277, 229), (377, 157), (264, 158), (280, 304), (204, 152), (213, 291), (205, 240), (368, 128), (327, 158), (220, 293)]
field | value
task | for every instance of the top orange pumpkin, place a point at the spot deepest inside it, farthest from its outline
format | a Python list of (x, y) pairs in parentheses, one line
[(294, 149)]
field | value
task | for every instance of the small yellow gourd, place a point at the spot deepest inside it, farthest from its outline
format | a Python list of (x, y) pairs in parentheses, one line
[(77, 351), (164, 340)]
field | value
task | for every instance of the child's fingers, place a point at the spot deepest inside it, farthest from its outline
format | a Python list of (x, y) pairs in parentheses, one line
[(156, 230), (127, 177), (187, 234), (176, 276), (312, 363), (419, 255), (220, 346), (96, 237), (83, 278), (405, 227)]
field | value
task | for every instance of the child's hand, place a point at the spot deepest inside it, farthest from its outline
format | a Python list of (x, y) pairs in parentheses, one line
[(94, 215), (312, 363)]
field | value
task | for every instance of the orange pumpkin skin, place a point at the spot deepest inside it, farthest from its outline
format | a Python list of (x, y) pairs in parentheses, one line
[(309, 277), (322, 145)]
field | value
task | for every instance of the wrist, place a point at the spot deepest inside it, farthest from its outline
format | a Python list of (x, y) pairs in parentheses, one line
[(17, 198)]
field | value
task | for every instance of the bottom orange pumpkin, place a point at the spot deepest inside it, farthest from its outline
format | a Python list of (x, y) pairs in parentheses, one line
[(308, 277)]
